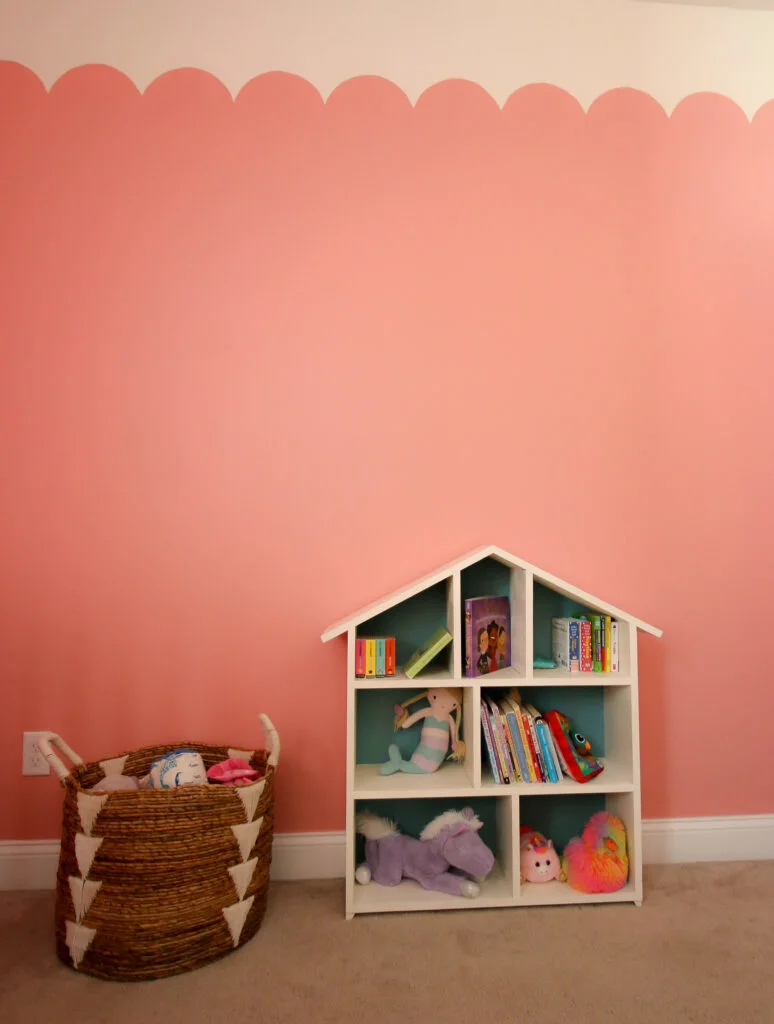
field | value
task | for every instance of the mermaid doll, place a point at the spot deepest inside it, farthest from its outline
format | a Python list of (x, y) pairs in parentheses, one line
[(440, 729)]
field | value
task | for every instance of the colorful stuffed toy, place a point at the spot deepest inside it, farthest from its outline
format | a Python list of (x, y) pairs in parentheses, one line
[(441, 728), (539, 860), (574, 750), (449, 855), (597, 860)]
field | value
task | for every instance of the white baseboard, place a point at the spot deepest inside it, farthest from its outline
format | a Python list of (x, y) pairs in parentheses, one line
[(692, 840), (33, 864), (308, 855), (29, 865)]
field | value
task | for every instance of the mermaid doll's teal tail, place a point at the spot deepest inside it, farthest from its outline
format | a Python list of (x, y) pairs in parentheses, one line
[(397, 764)]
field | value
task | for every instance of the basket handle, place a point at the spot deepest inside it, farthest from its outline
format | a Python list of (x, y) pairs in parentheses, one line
[(46, 742), (272, 740)]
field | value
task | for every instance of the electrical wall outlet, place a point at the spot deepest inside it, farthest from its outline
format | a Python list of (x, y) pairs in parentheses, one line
[(33, 761)]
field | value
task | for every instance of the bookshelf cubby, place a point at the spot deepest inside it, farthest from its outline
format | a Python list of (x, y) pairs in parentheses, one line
[(374, 714), (602, 706), (411, 816)]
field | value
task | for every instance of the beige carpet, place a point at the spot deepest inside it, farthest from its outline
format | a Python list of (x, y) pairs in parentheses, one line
[(699, 949)]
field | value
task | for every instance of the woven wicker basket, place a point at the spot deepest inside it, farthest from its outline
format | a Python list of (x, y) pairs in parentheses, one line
[(155, 882)]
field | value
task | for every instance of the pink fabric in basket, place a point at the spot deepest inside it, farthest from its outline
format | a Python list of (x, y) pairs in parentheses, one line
[(232, 772)]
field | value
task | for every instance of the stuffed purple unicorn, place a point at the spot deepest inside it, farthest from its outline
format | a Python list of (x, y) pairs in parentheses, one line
[(450, 841)]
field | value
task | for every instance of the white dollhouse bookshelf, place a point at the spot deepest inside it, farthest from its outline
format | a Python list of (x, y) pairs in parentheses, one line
[(604, 706)]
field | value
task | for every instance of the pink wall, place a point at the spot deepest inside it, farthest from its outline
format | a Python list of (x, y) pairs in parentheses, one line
[(252, 352)]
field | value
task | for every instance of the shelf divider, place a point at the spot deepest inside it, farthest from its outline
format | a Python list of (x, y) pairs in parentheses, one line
[(454, 623)]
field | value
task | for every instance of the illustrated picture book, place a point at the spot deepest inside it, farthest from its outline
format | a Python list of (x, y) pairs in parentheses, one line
[(487, 635), (425, 654)]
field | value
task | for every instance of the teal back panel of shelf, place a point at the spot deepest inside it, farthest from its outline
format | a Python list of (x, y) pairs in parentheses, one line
[(584, 707), (548, 604), (559, 817), (411, 622), (411, 816), (485, 578), (375, 716)]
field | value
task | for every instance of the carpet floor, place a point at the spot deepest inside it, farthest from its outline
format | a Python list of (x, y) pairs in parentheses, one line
[(698, 950)]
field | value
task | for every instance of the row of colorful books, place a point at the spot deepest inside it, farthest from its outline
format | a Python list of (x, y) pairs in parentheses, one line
[(586, 643), (583, 644), (518, 741), (374, 656)]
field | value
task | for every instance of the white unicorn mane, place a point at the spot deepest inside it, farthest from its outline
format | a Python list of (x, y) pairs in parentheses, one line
[(437, 825), (373, 827)]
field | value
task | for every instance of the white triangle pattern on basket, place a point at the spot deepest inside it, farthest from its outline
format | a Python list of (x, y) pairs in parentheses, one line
[(85, 851), (78, 938), (246, 835), (235, 916), (89, 806), (242, 876), (250, 795), (114, 765), (83, 892), (242, 755)]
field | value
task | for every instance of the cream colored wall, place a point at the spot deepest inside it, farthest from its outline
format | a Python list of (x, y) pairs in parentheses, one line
[(586, 46)]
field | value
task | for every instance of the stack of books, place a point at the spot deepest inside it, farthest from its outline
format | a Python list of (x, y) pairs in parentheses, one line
[(586, 644), (374, 656), (518, 740)]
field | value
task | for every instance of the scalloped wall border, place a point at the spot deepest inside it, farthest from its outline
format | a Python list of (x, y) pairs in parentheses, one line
[(343, 88), (668, 51)]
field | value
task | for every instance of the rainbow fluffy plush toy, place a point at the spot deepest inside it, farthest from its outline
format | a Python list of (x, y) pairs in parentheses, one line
[(597, 860)]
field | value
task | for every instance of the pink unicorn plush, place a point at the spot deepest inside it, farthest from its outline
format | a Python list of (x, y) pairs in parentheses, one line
[(539, 859)]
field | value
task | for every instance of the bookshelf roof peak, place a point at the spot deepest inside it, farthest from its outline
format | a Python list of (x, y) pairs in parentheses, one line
[(490, 551)]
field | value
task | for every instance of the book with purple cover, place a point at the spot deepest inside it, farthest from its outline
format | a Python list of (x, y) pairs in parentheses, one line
[(487, 635)]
